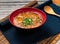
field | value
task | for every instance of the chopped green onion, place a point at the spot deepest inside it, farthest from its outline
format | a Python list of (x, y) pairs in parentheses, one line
[(27, 21)]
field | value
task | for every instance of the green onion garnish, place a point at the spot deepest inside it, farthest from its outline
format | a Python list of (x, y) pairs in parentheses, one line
[(27, 21)]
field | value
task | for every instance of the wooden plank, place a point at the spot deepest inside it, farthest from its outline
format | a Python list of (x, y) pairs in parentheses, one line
[(55, 40), (28, 5), (3, 40), (19, 0), (44, 41)]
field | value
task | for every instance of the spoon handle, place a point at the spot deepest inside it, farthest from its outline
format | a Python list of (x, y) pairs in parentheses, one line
[(57, 15)]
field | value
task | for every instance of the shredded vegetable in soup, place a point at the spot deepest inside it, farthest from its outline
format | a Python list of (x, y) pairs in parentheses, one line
[(27, 20)]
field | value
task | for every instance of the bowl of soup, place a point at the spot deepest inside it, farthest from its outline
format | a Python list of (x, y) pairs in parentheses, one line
[(27, 18), (56, 2)]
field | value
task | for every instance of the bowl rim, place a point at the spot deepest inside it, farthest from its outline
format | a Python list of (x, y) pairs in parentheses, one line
[(30, 8)]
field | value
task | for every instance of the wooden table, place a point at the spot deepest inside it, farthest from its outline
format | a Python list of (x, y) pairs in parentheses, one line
[(50, 40)]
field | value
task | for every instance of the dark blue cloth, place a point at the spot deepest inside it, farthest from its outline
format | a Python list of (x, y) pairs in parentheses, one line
[(19, 36)]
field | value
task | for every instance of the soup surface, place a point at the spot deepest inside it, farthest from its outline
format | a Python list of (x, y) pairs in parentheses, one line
[(57, 2), (27, 20)]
